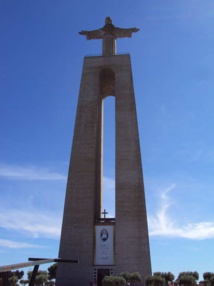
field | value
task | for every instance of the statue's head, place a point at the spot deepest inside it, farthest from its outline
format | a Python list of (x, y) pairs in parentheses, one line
[(108, 21)]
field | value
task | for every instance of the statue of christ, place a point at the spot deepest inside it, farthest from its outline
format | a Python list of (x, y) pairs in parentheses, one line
[(109, 33)]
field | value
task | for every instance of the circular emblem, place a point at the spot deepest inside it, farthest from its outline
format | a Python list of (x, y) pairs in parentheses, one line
[(104, 235)]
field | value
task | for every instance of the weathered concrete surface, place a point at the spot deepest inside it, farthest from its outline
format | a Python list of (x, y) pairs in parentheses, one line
[(103, 76)]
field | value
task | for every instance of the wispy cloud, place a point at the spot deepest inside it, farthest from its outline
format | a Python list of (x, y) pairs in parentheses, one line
[(162, 224), (29, 173), (13, 244), (32, 222), (36, 223)]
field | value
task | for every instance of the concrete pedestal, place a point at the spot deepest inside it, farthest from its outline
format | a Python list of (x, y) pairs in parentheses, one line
[(103, 76)]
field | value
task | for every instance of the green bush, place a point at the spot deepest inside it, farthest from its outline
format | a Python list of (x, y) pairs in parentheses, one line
[(135, 277), (189, 273), (131, 277), (186, 280), (126, 276), (212, 280), (154, 280), (168, 276), (113, 281)]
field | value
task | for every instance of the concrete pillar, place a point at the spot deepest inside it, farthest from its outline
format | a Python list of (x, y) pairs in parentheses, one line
[(102, 76)]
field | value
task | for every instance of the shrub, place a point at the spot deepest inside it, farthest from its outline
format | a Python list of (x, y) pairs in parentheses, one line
[(212, 280), (131, 277), (135, 277), (208, 275), (113, 281), (187, 280), (189, 273), (154, 280), (168, 276), (126, 276)]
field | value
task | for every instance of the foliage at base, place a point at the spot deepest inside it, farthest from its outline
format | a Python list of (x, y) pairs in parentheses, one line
[(186, 280), (113, 281), (189, 273), (152, 280), (131, 277), (168, 276)]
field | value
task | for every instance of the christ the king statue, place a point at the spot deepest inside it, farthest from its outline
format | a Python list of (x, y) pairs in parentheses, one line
[(109, 33)]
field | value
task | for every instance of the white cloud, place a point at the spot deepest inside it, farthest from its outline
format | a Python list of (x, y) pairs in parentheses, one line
[(14, 244), (37, 223), (201, 230), (162, 224), (33, 222), (29, 173), (162, 221)]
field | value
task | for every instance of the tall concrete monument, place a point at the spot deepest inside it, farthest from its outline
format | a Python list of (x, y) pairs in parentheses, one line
[(104, 246)]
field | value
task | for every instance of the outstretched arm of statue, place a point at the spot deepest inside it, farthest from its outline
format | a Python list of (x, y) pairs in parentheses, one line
[(123, 33), (94, 34)]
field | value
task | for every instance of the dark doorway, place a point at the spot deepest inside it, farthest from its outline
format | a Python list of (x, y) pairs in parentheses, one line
[(101, 273)]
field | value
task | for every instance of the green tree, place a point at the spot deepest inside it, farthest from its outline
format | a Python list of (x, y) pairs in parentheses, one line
[(135, 277), (113, 281), (131, 277), (14, 277), (186, 280), (19, 274), (212, 280), (13, 280), (24, 282), (189, 273), (149, 280), (126, 276), (207, 275), (52, 271), (168, 276), (41, 277), (155, 280), (50, 283)]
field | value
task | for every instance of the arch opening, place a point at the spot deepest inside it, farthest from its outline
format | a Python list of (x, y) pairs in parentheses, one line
[(107, 92), (107, 82), (109, 156)]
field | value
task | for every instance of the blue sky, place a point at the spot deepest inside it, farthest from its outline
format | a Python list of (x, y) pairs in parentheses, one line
[(41, 56)]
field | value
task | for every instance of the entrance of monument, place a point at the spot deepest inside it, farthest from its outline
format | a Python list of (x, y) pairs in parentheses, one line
[(101, 273)]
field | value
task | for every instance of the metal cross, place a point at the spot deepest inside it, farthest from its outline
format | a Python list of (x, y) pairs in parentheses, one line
[(104, 213)]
